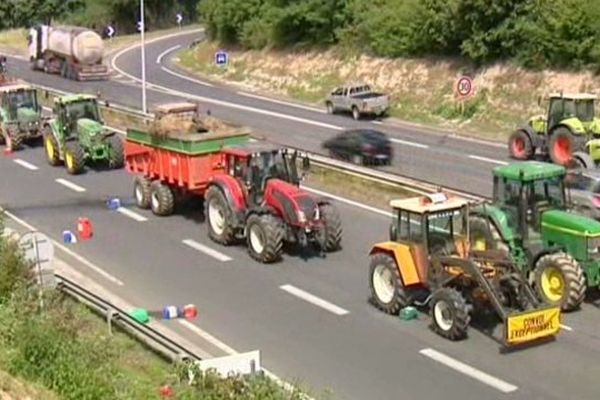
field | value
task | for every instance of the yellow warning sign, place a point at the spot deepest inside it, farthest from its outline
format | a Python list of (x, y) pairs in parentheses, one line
[(532, 325)]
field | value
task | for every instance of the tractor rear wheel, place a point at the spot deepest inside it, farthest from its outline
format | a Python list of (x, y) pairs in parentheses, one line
[(162, 201), (219, 217), (264, 234), (450, 313), (485, 235), (142, 192), (561, 146), (559, 280), (387, 290), (74, 158), (333, 227), (116, 157), (520, 146), (51, 147)]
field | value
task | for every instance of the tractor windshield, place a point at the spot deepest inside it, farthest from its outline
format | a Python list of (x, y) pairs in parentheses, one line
[(22, 99), (83, 109), (546, 192), (585, 110), (274, 164), (445, 229)]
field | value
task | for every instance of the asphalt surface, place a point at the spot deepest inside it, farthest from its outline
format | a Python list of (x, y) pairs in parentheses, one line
[(340, 343)]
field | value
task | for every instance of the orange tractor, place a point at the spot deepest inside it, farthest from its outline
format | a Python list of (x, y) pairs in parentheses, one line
[(428, 262)]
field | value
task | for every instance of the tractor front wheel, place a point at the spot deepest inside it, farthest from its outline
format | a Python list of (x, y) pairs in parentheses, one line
[(264, 234), (74, 158), (520, 146), (162, 201), (559, 280), (561, 146), (387, 291), (332, 230), (219, 217), (450, 313), (142, 192), (52, 151), (116, 156)]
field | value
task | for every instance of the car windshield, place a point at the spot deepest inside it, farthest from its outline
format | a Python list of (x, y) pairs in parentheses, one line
[(23, 99), (83, 109)]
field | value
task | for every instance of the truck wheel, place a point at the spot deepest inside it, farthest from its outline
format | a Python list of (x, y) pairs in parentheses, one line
[(355, 113), (559, 280), (51, 147), (116, 156), (485, 236), (333, 227), (162, 201), (387, 291), (219, 217), (450, 313), (142, 192), (561, 146), (520, 146), (264, 235), (74, 158), (330, 109)]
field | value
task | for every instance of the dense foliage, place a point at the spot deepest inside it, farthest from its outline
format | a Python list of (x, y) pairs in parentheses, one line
[(536, 33)]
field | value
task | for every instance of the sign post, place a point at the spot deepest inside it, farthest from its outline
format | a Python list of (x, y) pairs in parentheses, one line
[(463, 90), (221, 58), (39, 250), (142, 28)]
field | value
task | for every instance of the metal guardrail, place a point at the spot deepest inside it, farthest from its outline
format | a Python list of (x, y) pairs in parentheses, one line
[(148, 335)]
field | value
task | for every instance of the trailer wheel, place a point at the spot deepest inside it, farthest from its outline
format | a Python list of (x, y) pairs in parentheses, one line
[(51, 147), (162, 201), (219, 217), (116, 158), (142, 192), (333, 227), (387, 290), (264, 235), (559, 280), (450, 313), (74, 158)]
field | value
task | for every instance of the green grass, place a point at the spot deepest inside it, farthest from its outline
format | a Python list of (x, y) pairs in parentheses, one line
[(14, 41)]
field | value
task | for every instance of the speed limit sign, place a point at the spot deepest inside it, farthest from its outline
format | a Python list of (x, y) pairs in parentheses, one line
[(464, 86)]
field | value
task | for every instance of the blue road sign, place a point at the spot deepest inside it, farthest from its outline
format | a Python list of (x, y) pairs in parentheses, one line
[(221, 58)]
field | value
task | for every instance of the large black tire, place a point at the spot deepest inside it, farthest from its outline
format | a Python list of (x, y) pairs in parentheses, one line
[(74, 158), (2, 133), (330, 107), (51, 149), (356, 113), (385, 283), (162, 201), (561, 146), (16, 143), (116, 156), (569, 281), (264, 236), (219, 217), (333, 227), (142, 192), (520, 146), (450, 313), (485, 236)]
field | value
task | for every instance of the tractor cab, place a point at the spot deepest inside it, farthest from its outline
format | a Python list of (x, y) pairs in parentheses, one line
[(78, 114), (21, 102), (562, 106)]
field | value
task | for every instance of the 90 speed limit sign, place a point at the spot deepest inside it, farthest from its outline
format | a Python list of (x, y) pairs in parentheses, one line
[(464, 87)]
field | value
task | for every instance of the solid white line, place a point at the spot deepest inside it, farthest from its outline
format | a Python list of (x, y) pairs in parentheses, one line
[(206, 250), (474, 373), (349, 202), (488, 160), (285, 103), (311, 298), (187, 78), (26, 164), (132, 214), (164, 53), (406, 142), (70, 185), (76, 256)]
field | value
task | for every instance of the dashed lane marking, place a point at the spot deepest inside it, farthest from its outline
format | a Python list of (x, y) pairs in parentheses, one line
[(70, 185), (311, 298)]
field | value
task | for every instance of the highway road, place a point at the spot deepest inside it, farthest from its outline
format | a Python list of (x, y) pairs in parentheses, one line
[(309, 317)]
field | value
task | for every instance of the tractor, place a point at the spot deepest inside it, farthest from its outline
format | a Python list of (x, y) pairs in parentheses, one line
[(428, 262), (529, 221), (21, 117), (77, 135), (568, 135)]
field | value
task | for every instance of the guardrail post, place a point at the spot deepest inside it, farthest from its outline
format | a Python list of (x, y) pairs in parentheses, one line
[(110, 313)]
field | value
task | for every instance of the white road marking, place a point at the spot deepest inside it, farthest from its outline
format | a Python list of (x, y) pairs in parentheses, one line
[(132, 214), (26, 164), (167, 51), (285, 103), (70, 185), (206, 250), (488, 160), (474, 373), (68, 251), (349, 202), (377, 122), (187, 78), (566, 327), (311, 298), (407, 143)]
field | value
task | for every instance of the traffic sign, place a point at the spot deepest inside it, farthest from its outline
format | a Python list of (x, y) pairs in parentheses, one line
[(179, 18), (464, 86), (139, 26), (221, 58), (110, 31), (37, 248)]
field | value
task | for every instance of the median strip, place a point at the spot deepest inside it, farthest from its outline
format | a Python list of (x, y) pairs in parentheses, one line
[(324, 304), (70, 185)]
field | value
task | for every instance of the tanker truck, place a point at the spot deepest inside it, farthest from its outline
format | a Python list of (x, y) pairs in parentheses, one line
[(73, 52)]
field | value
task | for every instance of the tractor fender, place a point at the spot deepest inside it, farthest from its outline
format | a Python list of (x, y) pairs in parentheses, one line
[(536, 140), (573, 124), (536, 254), (497, 218), (406, 263), (232, 190)]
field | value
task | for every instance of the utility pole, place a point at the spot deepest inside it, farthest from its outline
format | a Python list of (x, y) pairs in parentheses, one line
[(143, 52)]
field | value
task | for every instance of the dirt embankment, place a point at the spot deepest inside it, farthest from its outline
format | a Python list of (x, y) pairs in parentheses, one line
[(422, 90)]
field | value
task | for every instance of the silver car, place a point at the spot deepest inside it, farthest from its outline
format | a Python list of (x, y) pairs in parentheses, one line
[(584, 188)]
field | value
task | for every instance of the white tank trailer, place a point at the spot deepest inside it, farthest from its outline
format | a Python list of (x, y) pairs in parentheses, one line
[(73, 52)]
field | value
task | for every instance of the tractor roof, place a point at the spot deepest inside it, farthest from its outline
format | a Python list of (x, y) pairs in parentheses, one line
[(573, 96), (245, 150), (429, 204), (73, 98), (167, 108), (528, 171), (14, 87)]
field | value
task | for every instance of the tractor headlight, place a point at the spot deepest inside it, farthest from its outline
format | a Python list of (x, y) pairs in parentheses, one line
[(301, 216)]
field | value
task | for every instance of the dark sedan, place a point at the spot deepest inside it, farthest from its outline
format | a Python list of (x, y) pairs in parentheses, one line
[(361, 146)]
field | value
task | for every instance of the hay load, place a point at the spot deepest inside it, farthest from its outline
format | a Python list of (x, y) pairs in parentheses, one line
[(176, 119)]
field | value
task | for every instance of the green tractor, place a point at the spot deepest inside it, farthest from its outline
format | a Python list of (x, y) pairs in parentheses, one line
[(20, 114), (77, 135), (568, 135), (528, 222)]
